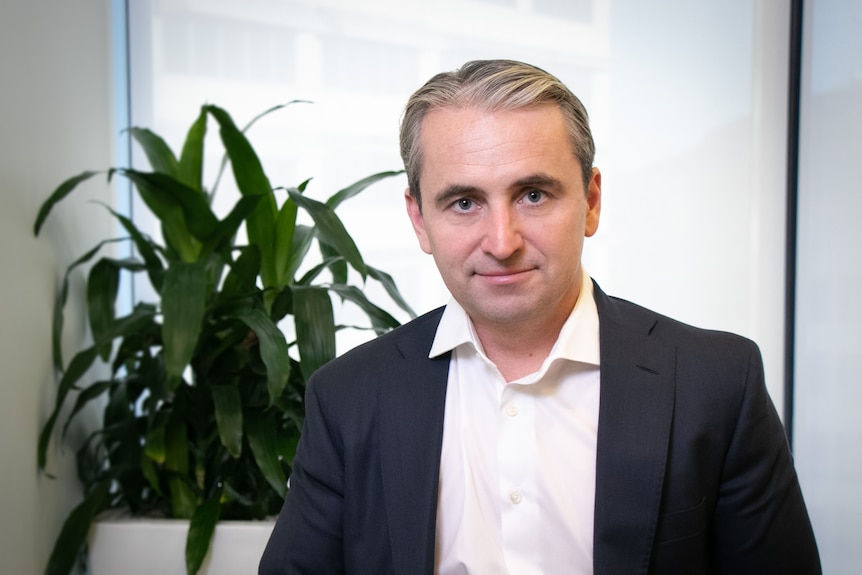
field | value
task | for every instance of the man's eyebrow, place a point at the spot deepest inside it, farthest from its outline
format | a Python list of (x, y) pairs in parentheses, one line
[(538, 180), (450, 193)]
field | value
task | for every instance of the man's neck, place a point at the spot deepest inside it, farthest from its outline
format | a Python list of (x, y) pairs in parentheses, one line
[(518, 350)]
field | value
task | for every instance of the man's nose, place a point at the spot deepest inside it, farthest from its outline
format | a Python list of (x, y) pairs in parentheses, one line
[(502, 237)]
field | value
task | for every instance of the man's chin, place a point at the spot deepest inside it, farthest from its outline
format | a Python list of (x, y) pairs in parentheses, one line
[(501, 314)]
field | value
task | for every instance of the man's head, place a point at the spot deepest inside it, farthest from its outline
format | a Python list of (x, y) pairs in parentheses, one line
[(493, 85), (505, 203)]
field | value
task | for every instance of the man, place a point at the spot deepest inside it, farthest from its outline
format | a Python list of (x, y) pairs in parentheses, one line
[(534, 425)]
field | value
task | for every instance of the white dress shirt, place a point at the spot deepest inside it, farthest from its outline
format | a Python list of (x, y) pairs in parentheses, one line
[(518, 465)]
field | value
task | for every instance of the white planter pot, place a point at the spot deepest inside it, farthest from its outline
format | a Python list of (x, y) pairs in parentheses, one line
[(134, 546)]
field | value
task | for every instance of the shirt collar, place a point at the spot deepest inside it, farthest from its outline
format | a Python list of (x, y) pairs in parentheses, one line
[(578, 339)]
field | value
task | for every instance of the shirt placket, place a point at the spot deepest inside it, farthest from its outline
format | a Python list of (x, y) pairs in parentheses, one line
[(518, 495)]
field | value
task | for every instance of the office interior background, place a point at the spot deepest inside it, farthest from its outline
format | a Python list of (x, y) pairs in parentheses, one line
[(692, 107)]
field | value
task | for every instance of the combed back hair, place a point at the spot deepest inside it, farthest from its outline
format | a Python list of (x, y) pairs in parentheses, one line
[(493, 85)]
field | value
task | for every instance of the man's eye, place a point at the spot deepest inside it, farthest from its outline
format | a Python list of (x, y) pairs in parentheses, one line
[(464, 204), (534, 196)]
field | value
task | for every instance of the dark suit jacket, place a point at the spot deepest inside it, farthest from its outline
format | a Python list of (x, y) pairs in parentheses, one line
[(693, 474)]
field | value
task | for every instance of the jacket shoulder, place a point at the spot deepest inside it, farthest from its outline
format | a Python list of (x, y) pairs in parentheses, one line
[(631, 316)]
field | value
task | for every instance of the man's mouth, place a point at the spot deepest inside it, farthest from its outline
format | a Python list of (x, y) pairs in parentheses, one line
[(504, 277)]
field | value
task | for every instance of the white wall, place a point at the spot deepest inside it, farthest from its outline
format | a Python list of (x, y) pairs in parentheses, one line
[(55, 113)]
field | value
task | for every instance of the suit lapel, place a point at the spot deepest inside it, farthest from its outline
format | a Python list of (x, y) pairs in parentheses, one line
[(411, 404), (635, 414)]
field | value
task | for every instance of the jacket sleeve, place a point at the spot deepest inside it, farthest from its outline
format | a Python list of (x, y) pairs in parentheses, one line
[(761, 524), (307, 538)]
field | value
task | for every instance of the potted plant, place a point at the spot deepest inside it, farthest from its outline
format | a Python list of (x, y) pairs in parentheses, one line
[(204, 401)]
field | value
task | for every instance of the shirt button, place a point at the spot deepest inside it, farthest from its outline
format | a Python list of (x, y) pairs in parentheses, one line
[(516, 497), (512, 409)]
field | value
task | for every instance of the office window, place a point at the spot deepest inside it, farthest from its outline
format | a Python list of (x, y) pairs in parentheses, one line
[(687, 103)]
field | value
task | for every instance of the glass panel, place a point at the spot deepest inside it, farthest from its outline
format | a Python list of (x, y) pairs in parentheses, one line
[(827, 431)]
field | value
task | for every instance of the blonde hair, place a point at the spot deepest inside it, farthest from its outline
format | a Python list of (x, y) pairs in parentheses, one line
[(493, 85)]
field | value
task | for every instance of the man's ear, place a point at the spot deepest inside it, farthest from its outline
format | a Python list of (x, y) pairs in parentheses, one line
[(414, 212), (594, 203)]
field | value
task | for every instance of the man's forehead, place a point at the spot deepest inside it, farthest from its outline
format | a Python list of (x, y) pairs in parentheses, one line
[(463, 130), (478, 114)]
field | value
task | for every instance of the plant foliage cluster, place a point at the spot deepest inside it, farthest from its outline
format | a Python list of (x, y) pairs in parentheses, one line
[(204, 402)]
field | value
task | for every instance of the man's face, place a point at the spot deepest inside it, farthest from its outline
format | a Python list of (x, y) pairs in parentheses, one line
[(504, 213)]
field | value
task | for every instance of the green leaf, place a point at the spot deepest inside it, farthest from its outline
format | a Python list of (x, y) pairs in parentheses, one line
[(389, 285), (92, 392), (282, 304), (251, 181), (289, 441), (163, 194), (146, 248), (270, 111), (312, 274), (166, 207), (82, 361), (58, 194), (201, 529), (273, 349), (248, 126), (148, 470), (330, 230), (242, 276), (285, 229), (228, 414), (262, 431), (183, 304), (354, 189), (154, 442), (247, 169), (337, 266), (190, 169), (380, 319), (77, 367), (159, 154), (120, 431), (183, 500), (303, 237), (301, 187), (138, 319), (75, 529), (103, 285), (58, 321), (224, 234), (315, 327)]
